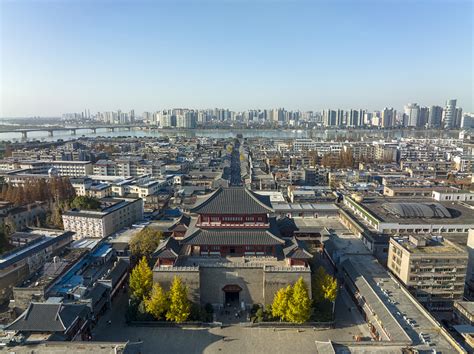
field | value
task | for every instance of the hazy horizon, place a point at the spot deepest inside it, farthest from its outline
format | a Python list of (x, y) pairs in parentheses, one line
[(67, 56)]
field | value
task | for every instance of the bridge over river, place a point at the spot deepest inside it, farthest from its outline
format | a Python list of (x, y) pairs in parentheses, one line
[(51, 129)]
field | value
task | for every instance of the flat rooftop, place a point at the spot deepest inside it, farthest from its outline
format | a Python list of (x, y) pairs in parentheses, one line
[(53, 269), (468, 306), (433, 246), (110, 205), (231, 262), (304, 207), (394, 298), (46, 237)]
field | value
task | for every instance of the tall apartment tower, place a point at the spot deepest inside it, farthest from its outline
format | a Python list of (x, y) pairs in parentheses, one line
[(435, 116), (449, 118), (458, 117), (412, 110), (353, 118), (423, 117), (329, 118), (340, 118), (388, 117)]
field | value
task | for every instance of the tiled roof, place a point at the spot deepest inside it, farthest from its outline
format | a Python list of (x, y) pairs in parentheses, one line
[(168, 248), (181, 224), (234, 200), (296, 250), (232, 237), (118, 271), (97, 292), (46, 317)]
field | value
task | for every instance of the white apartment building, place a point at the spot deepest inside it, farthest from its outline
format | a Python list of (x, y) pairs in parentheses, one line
[(61, 168), (453, 195), (117, 214), (72, 168)]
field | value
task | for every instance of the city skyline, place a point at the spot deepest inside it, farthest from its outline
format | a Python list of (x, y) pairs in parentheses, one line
[(64, 56)]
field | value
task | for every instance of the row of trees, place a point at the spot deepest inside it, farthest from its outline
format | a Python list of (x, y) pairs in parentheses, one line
[(345, 159), (292, 303), (173, 305), (57, 189)]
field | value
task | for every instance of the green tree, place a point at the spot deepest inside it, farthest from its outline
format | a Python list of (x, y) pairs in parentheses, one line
[(83, 202), (145, 242), (324, 286), (9, 226), (299, 304), (141, 280), (55, 219), (157, 303), (180, 306), (280, 303), (4, 244)]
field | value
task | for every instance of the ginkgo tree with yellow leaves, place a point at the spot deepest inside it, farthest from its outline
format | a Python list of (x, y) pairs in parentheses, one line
[(141, 280), (292, 303), (157, 304), (324, 286), (179, 305), (152, 300), (280, 303)]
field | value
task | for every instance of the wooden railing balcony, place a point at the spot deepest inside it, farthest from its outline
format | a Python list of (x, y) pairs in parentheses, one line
[(233, 225)]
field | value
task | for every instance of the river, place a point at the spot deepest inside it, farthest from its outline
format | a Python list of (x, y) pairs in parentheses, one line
[(318, 134)]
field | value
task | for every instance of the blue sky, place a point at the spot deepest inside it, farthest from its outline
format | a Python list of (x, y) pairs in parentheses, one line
[(65, 56)]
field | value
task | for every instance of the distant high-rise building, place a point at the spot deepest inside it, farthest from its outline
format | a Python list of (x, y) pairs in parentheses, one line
[(388, 117), (412, 110), (423, 118), (340, 118), (467, 121), (329, 118), (368, 118), (147, 116), (165, 119), (353, 118), (434, 116), (458, 117), (449, 114)]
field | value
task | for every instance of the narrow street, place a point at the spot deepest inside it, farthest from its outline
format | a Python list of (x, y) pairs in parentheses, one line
[(235, 177)]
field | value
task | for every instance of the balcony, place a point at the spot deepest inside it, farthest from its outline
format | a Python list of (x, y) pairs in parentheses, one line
[(234, 225)]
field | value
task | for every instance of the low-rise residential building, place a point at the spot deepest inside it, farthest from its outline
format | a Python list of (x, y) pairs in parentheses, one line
[(38, 246), (115, 214), (21, 216), (433, 269), (88, 187), (454, 195), (72, 168)]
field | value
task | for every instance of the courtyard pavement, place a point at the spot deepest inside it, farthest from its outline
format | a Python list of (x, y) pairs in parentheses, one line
[(232, 339)]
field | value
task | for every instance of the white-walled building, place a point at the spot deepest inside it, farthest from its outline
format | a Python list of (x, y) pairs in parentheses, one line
[(116, 214)]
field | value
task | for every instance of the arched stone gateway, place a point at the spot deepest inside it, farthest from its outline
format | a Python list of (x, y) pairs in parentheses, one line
[(231, 293)]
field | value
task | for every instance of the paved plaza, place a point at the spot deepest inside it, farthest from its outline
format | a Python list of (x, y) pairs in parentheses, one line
[(235, 338)]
